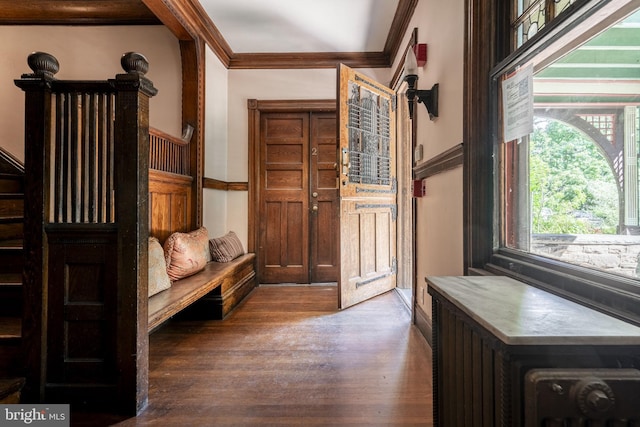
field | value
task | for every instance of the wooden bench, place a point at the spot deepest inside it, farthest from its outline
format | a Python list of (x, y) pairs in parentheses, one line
[(211, 293)]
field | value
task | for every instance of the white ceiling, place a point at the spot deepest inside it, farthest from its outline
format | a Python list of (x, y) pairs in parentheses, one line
[(281, 26)]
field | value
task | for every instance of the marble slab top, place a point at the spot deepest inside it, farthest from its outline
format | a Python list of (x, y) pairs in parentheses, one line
[(520, 314)]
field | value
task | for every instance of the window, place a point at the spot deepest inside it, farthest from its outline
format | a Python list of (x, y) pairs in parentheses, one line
[(573, 183), (567, 193)]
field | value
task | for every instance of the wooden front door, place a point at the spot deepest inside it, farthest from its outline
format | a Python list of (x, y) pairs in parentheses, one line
[(324, 219), (368, 185), (298, 221)]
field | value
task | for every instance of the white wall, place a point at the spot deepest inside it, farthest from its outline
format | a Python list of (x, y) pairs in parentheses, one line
[(88, 53), (215, 202), (439, 231)]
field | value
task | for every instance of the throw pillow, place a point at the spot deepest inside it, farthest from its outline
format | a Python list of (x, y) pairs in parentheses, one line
[(186, 253), (226, 248), (158, 278)]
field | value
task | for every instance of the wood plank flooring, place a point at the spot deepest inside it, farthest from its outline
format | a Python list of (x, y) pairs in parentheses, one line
[(288, 357)]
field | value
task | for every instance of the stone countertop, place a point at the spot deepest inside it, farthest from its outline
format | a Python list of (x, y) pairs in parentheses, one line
[(519, 314)]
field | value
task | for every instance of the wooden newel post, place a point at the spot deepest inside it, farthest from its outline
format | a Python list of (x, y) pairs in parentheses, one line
[(37, 136), (131, 158)]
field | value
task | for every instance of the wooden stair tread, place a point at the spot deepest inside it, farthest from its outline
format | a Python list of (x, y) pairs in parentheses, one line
[(10, 279), (11, 244), (9, 386), (11, 218), (10, 327)]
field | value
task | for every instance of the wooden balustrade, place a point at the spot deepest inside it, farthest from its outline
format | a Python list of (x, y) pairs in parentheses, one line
[(168, 153), (83, 147)]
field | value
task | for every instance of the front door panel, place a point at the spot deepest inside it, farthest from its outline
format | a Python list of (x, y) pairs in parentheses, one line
[(323, 219), (284, 228), (367, 173)]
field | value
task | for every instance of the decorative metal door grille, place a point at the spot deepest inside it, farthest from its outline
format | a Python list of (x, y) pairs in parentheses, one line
[(369, 137)]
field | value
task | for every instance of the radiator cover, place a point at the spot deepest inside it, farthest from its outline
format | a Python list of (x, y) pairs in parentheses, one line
[(497, 343)]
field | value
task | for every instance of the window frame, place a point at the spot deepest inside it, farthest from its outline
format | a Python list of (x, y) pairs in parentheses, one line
[(484, 252)]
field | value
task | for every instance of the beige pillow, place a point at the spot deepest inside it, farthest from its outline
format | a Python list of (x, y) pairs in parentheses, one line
[(226, 248), (158, 278), (186, 253)]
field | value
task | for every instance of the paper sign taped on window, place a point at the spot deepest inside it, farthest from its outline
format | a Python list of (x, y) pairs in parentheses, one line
[(517, 102)]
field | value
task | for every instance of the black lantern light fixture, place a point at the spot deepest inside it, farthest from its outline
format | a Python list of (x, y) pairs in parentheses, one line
[(427, 97)]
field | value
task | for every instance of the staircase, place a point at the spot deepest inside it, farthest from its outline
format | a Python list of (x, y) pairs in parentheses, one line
[(11, 262)]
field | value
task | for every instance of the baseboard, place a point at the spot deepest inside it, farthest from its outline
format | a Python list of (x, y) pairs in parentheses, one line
[(423, 323)]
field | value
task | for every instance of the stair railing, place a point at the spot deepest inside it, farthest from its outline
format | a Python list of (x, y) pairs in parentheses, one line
[(86, 227)]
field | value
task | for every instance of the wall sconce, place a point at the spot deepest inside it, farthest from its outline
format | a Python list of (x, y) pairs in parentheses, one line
[(427, 97)]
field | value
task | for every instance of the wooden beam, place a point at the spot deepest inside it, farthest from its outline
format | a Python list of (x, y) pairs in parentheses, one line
[(189, 21), (70, 12), (169, 18), (193, 92)]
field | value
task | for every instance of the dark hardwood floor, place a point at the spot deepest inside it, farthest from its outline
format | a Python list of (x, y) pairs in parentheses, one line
[(287, 356)]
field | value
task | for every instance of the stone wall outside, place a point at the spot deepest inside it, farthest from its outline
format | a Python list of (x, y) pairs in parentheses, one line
[(613, 253)]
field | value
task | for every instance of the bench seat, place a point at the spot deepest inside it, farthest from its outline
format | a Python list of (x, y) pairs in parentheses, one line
[(211, 293)]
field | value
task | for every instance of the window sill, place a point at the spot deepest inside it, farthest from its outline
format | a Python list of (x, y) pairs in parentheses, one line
[(611, 294)]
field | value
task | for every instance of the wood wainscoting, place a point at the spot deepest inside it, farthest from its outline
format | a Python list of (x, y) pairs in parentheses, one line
[(216, 184)]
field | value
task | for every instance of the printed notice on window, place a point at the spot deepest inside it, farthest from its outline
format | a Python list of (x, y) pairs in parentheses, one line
[(517, 102)]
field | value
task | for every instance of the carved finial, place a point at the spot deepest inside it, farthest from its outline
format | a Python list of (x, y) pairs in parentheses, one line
[(133, 62), (43, 64)]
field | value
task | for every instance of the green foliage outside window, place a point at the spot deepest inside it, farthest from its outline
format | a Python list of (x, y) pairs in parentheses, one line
[(572, 186)]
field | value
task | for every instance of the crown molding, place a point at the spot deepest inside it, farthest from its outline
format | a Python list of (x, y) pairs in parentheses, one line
[(304, 60), (399, 26)]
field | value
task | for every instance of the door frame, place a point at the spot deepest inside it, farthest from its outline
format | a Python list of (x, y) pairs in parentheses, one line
[(406, 238), (406, 165), (255, 109)]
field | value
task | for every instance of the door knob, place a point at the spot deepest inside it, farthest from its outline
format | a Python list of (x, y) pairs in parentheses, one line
[(314, 208), (314, 194)]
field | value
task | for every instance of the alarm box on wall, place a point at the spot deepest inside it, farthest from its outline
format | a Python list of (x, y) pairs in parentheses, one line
[(419, 187)]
